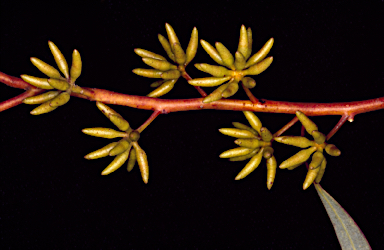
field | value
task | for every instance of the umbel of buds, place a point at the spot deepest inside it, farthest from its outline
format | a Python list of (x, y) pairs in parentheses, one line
[(235, 68), (255, 143), (125, 149), (315, 148), (64, 85), (168, 73)]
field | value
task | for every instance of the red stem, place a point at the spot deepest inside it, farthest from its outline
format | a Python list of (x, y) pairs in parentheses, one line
[(286, 127), (148, 121), (349, 109), (250, 95), (342, 120)]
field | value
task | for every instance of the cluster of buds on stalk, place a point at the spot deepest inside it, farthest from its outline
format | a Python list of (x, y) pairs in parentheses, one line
[(238, 67), (168, 72), (255, 143), (64, 85), (125, 149), (315, 148)]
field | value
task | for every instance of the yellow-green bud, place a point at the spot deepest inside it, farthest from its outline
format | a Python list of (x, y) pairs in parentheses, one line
[(158, 64), (217, 71), (38, 99), (103, 132), (253, 120), (251, 143), (76, 65), (58, 84), (225, 55), (131, 160), (244, 157), (134, 135), (163, 89), (209, 81), (271, 171), (251, 165), (299, 158), (141, 157), (192, 46), (307, 123), (146, 53), (243, 126), (37, 82), (239, 133), (297, 141), (121, 146), (261, 54), (232, 88), (212, 52), (171, 74), (116, 163), (45, 68), (179, 53), (59, 58), (318, 137), (322, 170), (310, 178), (332, 150), (268, 152), (60, 100), (248, 82), (240, 151), (317, 158), (243, 43), (265, 134), (151, 73), (259, 67), (102, 152)]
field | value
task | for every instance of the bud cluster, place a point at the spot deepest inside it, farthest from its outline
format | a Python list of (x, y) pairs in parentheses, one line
[(255, 143), (169, 72), (235, 68), (125, 149), (64, 85), (315, 148)]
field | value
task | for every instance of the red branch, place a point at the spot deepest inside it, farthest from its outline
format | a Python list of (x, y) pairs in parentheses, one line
[(346, 109)]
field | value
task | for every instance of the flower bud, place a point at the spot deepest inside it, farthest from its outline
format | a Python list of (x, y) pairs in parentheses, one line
[(212, 52), (251, 143), (298, 158), (192, 46), (235, 132), (116, 163), (251, 165), (45, 68), (332, 150), (310, 178), (240, 151), (318, 137), (317, 158), (59, 58), (102, 152), (271, 171), (297, 141), (261, 54), (120, 147), (307, 123)]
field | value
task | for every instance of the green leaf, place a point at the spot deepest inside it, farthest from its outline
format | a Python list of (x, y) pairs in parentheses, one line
[(347, 231)]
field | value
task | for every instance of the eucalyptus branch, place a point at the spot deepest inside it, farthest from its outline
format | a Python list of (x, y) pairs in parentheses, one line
[(347, 109)]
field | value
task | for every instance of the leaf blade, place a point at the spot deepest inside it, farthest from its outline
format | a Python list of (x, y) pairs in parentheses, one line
[(348, 233)]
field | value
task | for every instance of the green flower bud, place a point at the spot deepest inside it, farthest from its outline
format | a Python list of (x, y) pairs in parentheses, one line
[(251, 165), (299, 158), (332, 150), (297, 141)]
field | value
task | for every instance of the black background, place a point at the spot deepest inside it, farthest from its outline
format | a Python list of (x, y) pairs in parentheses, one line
[(53, 198)]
